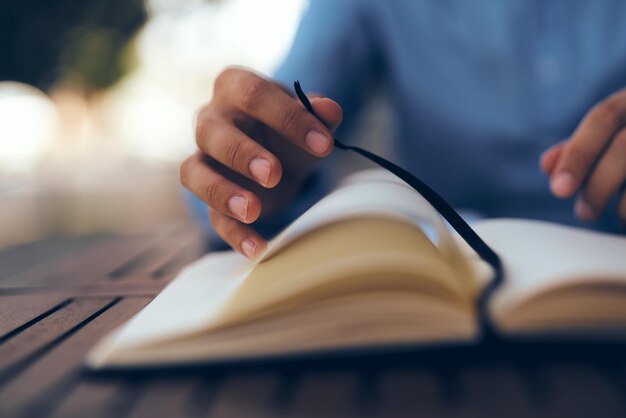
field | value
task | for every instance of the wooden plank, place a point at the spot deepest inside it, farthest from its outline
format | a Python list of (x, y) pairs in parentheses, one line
[(494, 390), (153, 261), (20, 258), (137, 280), (248, 395), (194, 249), (410, 392), (580, 390), (328, 393), (135, 286), (109, 397), (49, 380), (18, 310), (170, 396), (613, 372), (77, 267), (97, 259), (140, 257), (33, 340), (102, 288), (46, 382)]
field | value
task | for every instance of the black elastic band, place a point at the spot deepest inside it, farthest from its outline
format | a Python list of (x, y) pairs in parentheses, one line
[(443, 207)]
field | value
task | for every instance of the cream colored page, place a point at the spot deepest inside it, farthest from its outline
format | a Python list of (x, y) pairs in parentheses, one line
[(193, 300), (362, 254), (540, 256), (372, 192)]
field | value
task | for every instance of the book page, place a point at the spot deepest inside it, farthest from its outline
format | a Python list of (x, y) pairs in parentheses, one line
[(357, 255), (543, 259), (195, 299), (351, 322), (370, 192), (184, 306)]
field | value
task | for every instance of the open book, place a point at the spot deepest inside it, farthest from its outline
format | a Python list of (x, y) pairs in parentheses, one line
[(374, 265)]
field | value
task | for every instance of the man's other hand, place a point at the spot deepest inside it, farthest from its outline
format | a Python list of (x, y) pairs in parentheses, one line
[(592, 160)]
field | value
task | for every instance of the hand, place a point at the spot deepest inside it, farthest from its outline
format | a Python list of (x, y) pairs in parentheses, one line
[(592, 160), (256, 145)]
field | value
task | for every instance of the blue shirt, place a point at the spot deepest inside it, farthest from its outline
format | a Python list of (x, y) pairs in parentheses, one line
[(479, 88)]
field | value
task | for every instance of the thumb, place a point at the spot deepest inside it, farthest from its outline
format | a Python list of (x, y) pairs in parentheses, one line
[(328, 110)]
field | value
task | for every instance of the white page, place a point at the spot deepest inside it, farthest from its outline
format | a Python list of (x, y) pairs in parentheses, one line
[(540, 256), (185, 306)]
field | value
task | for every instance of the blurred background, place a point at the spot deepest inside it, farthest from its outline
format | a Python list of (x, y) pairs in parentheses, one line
[(97, 100)]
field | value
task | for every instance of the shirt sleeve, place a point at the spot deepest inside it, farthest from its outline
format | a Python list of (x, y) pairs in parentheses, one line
[(332, 53)]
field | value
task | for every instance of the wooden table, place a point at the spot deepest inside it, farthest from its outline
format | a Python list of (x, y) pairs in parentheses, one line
[(59, 296)]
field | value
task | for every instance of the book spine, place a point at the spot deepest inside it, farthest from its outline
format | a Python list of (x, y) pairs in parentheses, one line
[(446, 211)]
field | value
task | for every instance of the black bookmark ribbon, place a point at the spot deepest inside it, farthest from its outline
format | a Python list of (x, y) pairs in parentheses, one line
[(440, 204)]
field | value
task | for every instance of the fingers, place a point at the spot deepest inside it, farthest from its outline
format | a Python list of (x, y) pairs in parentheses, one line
[(605, 180), (550, 157), (268, 103), (225, 140), (228, 145), (218, 192), (328, 110), (221, 140), (240, 237), (587, 143), (593, 159)]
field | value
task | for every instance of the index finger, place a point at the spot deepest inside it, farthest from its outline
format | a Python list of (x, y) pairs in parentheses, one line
[(268, 103)]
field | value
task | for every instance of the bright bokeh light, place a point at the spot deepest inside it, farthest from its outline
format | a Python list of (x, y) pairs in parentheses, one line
[(180, 51), (148, 115), (80, 161), (29, 124)]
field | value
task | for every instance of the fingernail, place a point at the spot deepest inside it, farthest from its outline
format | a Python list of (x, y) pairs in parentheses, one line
[(238, 205), (248, 247), (563, 184), (584, 211), (260, 169), (317, 142)]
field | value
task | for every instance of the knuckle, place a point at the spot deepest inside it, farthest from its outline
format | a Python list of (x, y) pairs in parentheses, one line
[(606, 113), (289, 119), (223, 78), (234, 152), (212, 137), (201, 122), (578, 157), (254, 93), (183, 170), (201, 132), (206, 133), (210, 194)]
